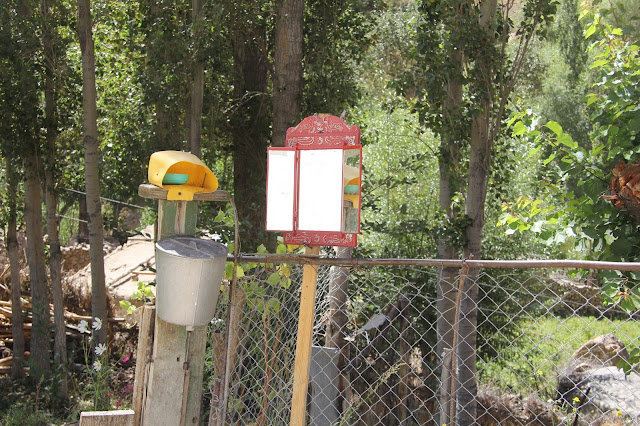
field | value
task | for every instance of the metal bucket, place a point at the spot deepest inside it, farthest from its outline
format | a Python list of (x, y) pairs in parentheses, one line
[(189, 274)]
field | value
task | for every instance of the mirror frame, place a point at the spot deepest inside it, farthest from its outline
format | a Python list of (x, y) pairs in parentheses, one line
[(322, 132)]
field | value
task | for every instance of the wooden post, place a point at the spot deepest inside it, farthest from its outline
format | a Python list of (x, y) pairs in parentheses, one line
[(172, 384), (303, 341), (146, 327)]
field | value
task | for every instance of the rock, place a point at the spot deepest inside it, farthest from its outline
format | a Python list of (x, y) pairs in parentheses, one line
[(602, 351), (609, 391)]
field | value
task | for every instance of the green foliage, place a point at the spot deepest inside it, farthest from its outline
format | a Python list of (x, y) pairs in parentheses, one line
[(543, 346), (576, 175), (336, 36), (397, 211), (142, 294)]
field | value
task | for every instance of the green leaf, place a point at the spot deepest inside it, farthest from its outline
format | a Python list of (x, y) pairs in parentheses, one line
[(549, 159), (592, 98), (273, 279), (262, 249), (554, 127), (537, 226), (621, 246), (590, 31), (519, 129), (598, 63), (567, 140)]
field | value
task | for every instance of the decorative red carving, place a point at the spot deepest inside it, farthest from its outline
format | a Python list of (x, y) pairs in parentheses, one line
[(325, 131)]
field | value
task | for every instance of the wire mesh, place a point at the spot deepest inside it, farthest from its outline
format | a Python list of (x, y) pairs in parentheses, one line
[(534, 347)]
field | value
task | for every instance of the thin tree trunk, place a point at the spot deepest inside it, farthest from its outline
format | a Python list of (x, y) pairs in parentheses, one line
[(83, 224), (39, 343), (92, 178), (17, 317), (479, 162), (479, 172), (250, 134), (449, 163), (336, 325), (197, 87), (287, 78), (55, 254)]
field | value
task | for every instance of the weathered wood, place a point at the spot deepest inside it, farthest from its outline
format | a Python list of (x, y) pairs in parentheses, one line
[(166, 393), (176, 218), (146, 327), (147, 190), (303, 341), (173, 391), (107, 418)]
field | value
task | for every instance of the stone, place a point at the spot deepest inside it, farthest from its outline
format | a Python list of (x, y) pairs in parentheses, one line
[(605, 390), (603, 351)]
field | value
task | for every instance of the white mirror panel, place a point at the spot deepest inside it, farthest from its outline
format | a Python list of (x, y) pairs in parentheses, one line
[(320, 191), (280, 189)]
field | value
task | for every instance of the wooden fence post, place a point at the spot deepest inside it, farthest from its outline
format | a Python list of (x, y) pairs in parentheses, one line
[(303, 341), (171, 393)]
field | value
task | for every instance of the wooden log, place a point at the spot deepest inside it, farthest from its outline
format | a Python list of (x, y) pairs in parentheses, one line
[(107, 418), (146, 327), (147, 190)]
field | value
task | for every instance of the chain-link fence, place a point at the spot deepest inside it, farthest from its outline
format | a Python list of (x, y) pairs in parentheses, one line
[(548, 349)]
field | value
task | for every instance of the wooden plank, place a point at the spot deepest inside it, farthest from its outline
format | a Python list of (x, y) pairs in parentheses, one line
[(303, 341), (195, 372), (176, 218), (107, 418), (163, 404), (147, 190), (146, 326)]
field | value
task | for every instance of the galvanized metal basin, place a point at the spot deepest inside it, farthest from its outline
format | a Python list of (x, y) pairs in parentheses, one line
[(189, 274)]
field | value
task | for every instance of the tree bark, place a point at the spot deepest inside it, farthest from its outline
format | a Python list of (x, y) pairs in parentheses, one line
[(51, 199), (479, 173), (449, 185), (250, 130), (39, 343), (287, 77), (83, 216), (17, 316), (197, 87), (336, 325), (92, 178)]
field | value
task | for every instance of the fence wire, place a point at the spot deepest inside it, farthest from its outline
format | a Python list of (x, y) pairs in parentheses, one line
[(548, 349)]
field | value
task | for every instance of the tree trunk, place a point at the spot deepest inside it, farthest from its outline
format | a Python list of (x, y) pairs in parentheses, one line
[(39, 344), (55, 254), (336, 325), (83, 216), (92, 178), (197, 87), (287, 77), (250, 134), (449, 166), (479, 172), (17, 317)]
